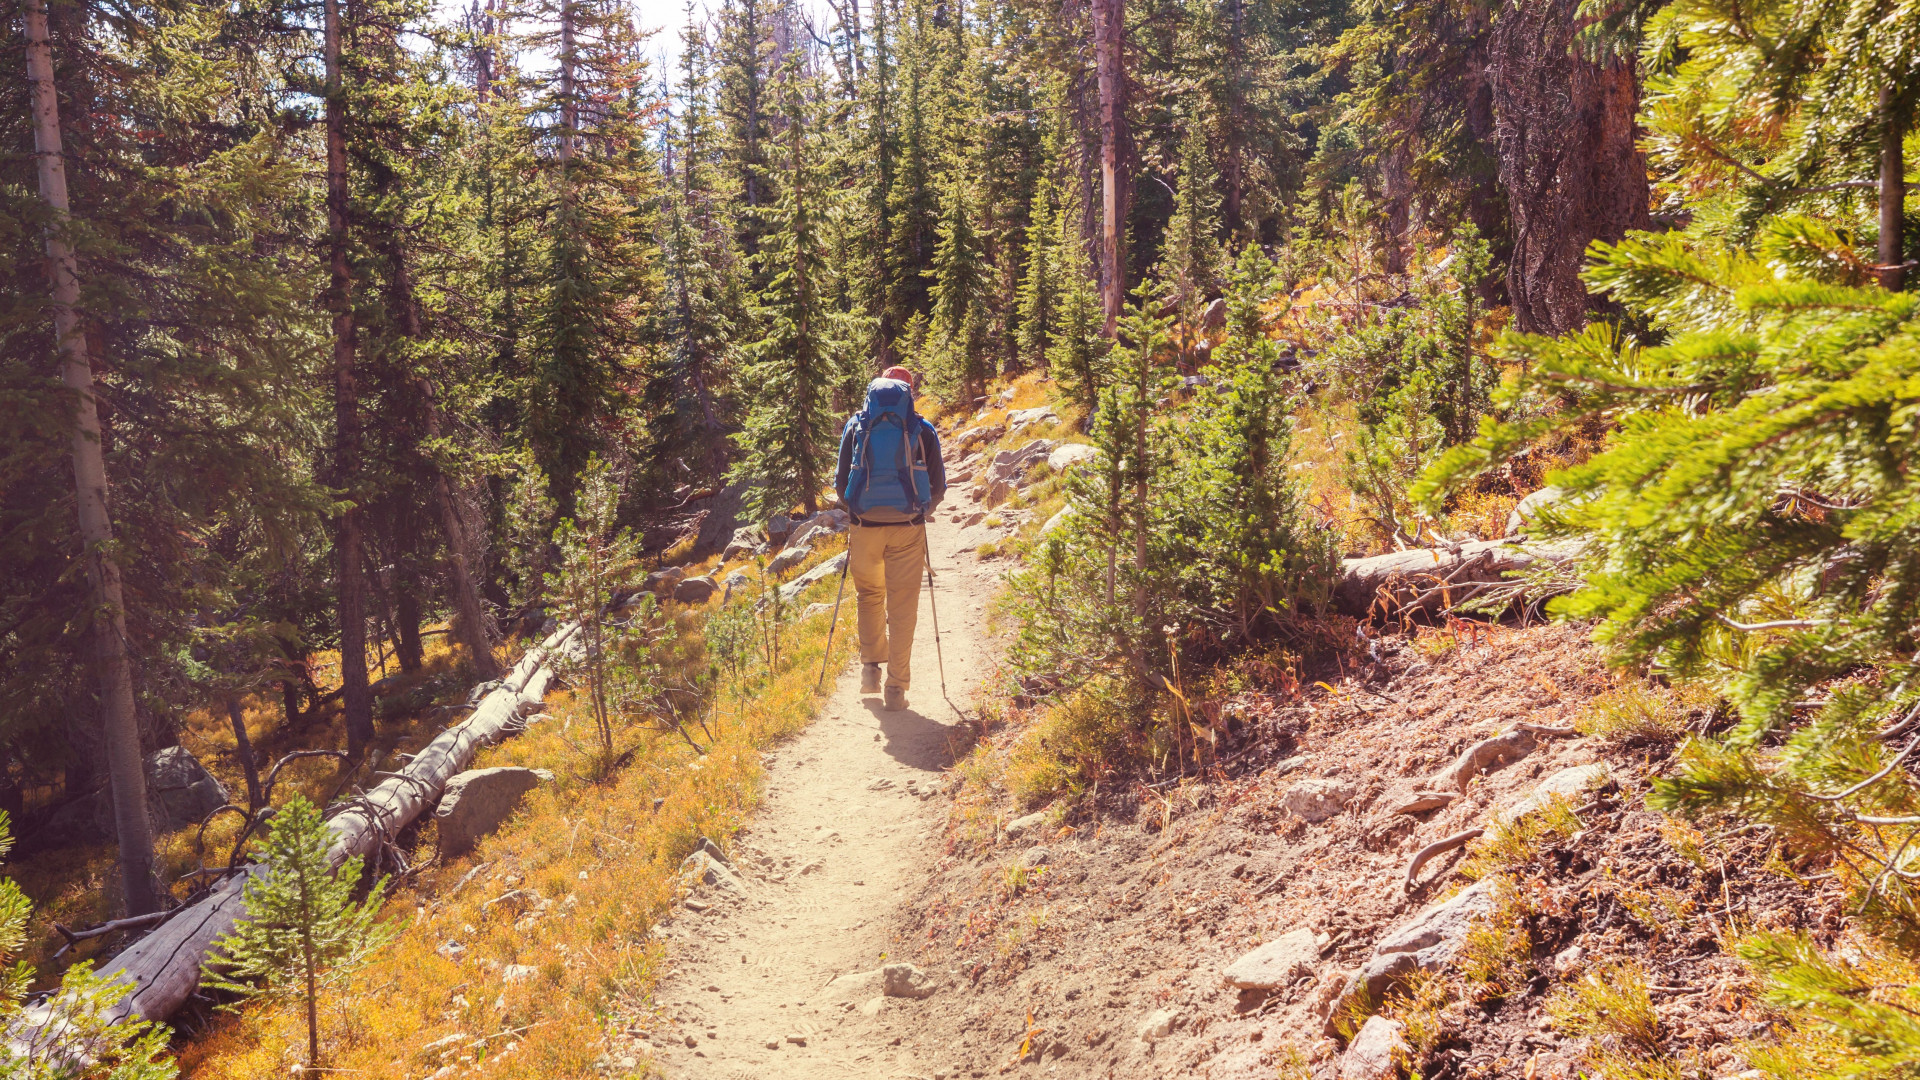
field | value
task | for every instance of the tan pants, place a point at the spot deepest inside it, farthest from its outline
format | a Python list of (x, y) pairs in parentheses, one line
[(886, 564)]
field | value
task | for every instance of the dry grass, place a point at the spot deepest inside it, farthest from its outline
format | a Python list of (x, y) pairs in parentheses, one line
[(601, 861), (1639, 715)]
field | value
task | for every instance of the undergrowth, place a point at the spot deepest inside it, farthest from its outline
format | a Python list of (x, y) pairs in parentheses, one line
[(517, 956)]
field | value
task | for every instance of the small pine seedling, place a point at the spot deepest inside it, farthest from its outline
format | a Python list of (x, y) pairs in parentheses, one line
[(303, 931)]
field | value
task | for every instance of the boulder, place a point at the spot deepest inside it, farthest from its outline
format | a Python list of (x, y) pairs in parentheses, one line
[(1317, 800), (695, 590), (1021, 419), (1375, 1051), (984, 433), (787, 560), (1487, 754), (1057, 521), (1412, 580), (478, 801), (180, 790), (778, 528), (1022, 824), (744, 543), (1068, 455), (1428, 942), (1035, 857), (1010, 467), (1529, 508), (792, 589), (907, 981), (1214, 318), (1276, 963), (1567, 784), (1407, 798), (661, 582)]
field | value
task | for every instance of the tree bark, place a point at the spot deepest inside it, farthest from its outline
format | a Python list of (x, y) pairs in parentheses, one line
[(406, 626), (1109, 35), (357, 700), (1565, 137), (243, 749), (1893, 191), (108, 618)]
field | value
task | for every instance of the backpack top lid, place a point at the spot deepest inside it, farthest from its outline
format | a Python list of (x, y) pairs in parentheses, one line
[(889, 395)]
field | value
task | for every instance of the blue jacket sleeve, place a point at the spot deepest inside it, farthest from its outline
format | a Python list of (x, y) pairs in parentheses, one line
[(846, 462), (936, 468)]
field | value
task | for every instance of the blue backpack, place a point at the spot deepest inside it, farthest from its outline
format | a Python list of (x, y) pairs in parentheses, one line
[(888, 468)]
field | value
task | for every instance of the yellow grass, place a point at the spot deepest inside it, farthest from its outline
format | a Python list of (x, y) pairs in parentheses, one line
[(600, 858)]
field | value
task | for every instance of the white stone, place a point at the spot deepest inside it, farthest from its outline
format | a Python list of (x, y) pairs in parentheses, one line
[(1158, 1024), (1070, 454), (1567, 784), (907, 981), (1373, 1052), (1276, 963), (1022, 824), (1317, 800)]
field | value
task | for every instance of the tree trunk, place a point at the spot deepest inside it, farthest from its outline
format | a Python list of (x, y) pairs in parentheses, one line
[(1893, 191), (164, 966), (243, 749), (1109, 33), (1236, 119), (108, 617), (1564, 133), (406, 626), (357, 700)]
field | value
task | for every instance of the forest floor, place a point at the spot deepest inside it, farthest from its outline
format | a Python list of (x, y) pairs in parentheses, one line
[(850, 824)]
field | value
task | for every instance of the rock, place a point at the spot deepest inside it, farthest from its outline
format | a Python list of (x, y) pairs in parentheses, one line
[(452, 951), (1022, 824), (873, 1006), (661, 582), (1529, 508), (1214, 318), (1010, 467), (816, 609), (779, 526), (1443, 925), (180, 790), (1403, 581), (907, 981), (737, 579), (787, 560), (1276, 963), (1317, 800), (1566, 784), (773, 1044), (1068, 455), (701, 868), (804, 537), (1157, 1025), (720, 520), (1057, 521), (831, 568), (745, 540), (1374, 1052), (1020, 419), (1035, 856), (695, 590), (797, 1040), (985, 433), (517, 973), (477, 802)]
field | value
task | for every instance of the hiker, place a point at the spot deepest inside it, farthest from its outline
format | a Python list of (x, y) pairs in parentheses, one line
[(890, 477)]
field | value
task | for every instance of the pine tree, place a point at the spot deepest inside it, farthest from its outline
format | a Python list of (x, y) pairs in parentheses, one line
[(600, 271), (787, 446), (1077, 355), (960, 298), (303, 931), (1040, 285), (1191, 256)]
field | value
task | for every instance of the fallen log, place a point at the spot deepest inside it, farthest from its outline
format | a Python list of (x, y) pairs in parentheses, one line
[(1433, 580), (164, 967)]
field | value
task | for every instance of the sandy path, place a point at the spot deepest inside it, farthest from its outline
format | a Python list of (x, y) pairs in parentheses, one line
[(837, 844)]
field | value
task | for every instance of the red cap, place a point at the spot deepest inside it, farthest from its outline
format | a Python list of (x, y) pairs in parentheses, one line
[(898, 372)]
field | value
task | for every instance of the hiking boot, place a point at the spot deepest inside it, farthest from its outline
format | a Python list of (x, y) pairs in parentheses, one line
[(869, 678), (896, 698)]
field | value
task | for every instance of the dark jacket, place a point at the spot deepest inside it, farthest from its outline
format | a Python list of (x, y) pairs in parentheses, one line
[(929, 449)]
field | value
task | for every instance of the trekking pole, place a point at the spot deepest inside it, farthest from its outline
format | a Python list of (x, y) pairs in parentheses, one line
[(938, 655), (835, 621)]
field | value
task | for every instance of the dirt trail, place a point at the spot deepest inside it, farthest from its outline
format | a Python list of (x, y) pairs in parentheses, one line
[(838, 844)]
